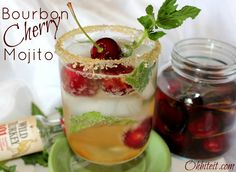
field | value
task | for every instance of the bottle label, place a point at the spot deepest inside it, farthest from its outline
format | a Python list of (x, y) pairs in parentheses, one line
[(19, 138)]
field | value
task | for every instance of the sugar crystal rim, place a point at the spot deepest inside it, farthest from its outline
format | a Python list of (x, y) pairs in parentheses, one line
[(68, 57)]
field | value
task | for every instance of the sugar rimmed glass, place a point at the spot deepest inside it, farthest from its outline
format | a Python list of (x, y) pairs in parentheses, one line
[(108, 104)]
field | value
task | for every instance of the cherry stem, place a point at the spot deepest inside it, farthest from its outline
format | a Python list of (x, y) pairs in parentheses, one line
[(69, 4)]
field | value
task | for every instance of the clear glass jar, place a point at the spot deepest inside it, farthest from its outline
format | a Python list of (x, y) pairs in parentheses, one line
[(195, 107)]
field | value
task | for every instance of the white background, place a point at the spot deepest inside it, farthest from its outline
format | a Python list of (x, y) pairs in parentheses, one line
[(21, 83)]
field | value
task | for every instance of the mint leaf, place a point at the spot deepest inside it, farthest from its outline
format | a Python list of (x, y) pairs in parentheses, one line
[(5, 168), (90, 119), (36, 111), (149, 10), (60, 111), (146, 21), (139, 78), (168, 6), (12, 168), (40, 158), (169, 17), (156, 35)]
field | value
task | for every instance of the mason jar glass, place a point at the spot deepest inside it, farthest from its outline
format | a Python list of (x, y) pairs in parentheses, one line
[(108, 104), (195, 107)]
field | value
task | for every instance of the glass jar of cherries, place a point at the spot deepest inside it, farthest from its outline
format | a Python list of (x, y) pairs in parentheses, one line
[(196, 98)]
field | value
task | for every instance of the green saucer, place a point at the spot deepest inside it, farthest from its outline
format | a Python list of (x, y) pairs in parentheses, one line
[(156, 158)]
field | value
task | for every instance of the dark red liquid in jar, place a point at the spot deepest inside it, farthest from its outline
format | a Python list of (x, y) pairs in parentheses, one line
[(195, 119)]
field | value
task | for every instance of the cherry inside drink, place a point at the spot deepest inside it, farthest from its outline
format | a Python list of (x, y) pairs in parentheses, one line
[(195, 110)]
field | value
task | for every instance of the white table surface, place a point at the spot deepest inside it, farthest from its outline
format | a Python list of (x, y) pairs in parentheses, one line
[(178, 165)]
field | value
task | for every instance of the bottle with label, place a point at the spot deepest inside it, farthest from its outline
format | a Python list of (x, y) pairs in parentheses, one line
[(27, 136)]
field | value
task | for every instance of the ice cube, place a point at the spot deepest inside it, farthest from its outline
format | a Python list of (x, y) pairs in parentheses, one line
[(80, 48), (117, 106), (148, 91)]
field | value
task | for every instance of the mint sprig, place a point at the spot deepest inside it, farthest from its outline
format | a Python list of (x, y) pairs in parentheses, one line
[(168, 17), (60, 111), (35, 110), (40, 158), (149, 23), (90, 119), (139, 78), (6, 168)]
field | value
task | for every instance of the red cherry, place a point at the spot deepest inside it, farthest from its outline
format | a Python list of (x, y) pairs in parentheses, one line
[(115, 85), (138, 137), (206, 125), (146, 125), (111, 50), (160, 95), (173, 114), (174, 86), (216, 144), (180, 140), (158, 125), (119, 69), (76, 84)]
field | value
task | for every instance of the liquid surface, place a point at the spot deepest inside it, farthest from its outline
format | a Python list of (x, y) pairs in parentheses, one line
[(103, 144)]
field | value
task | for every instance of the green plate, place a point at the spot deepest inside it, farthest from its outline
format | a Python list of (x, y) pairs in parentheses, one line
[(156, 158)]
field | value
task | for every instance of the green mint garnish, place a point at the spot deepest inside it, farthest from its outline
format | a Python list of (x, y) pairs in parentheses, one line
[(150, 26), (60, 111), (139, 78), (90, 119), (35, 110), (168, 17), (40, 158), (6, 168)]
